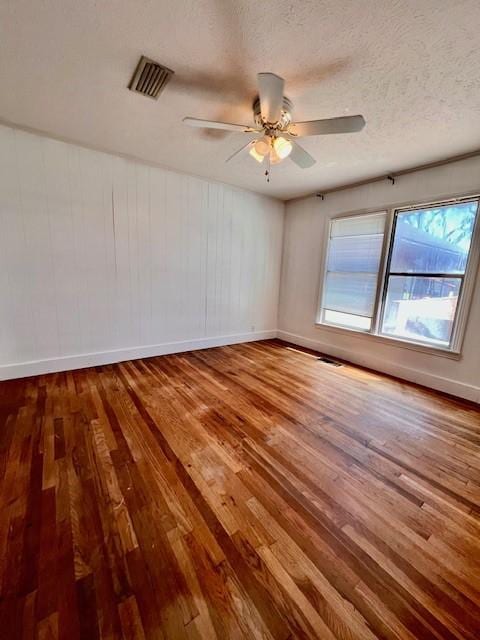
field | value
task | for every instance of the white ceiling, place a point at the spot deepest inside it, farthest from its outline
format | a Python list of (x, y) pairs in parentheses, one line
[(411, 67)]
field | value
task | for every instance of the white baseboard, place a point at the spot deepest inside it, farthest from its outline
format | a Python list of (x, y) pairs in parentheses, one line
[(447, 385), (81, 361)]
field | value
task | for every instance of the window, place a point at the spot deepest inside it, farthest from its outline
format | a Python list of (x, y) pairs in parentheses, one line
[(420, 295), (354, 252)]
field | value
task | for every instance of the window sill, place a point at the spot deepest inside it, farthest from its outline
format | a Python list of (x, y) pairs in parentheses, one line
[(392, 342)]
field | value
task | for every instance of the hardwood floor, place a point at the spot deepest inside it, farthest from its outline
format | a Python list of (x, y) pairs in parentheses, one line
[(240, 492)]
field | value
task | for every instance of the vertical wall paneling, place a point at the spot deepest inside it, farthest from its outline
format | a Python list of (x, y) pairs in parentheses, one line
[(102, 258)]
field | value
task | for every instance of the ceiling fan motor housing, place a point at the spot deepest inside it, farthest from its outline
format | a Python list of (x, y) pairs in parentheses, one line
[(285, 118)]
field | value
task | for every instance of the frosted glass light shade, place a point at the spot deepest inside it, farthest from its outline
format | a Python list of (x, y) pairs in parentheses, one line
[(283, 147), (263, 146), (257, 156), (274, 157)]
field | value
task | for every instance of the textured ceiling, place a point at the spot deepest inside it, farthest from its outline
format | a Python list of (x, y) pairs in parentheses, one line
[(412, 68)]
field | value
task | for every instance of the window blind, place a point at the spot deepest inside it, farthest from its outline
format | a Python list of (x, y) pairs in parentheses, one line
[(353, 261)]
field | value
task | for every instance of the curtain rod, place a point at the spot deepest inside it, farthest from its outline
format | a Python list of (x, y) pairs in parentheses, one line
[(395, 174)]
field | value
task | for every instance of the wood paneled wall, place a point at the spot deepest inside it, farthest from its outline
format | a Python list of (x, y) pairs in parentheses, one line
[(102, 255)]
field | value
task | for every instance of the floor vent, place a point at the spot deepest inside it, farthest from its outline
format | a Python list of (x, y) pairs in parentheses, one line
[(150, 78), (332, 363)]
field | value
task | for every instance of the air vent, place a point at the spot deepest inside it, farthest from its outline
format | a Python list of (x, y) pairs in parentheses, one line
[(332, 363), (150, 78)]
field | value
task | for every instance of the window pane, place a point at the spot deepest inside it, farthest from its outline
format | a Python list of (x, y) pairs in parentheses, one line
[(421, 308), (350, 292), (353, 260), (358, 225), (347, 320), (435, 240), (355, 253)]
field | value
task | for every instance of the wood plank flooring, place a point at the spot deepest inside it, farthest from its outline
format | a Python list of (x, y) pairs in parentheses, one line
[(240, 492)]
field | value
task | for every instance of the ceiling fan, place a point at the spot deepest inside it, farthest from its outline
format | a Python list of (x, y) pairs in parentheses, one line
[(275, 133)]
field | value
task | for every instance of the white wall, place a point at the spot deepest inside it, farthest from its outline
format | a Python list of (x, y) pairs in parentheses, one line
[(103, 259), (306, 224)]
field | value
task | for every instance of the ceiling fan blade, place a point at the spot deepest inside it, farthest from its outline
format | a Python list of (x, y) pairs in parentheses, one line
[(212, 124), (242, 148), (301, 157), (344, 124), (270, 90)]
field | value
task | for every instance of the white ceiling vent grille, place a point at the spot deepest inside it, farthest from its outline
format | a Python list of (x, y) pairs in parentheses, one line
[(150, 78)]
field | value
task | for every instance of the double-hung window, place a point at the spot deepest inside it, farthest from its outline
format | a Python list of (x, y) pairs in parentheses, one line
[(402, 274)]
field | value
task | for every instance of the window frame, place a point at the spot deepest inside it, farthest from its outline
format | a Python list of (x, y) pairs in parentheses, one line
[(321, 310), (468, 278)]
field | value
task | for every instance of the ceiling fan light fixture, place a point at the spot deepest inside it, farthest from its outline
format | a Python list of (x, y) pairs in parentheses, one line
[(263, 146), (258, 157), (274, 157), (282, 147), (277, 134)]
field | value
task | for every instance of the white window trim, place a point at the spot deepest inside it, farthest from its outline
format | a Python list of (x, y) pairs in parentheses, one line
[(454, 350)]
